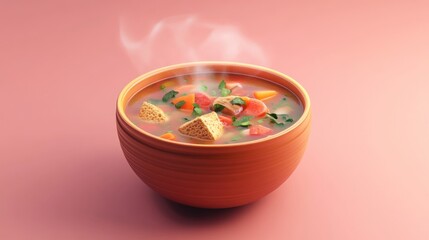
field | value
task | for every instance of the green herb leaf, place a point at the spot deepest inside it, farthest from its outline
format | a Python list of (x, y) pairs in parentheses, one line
[(225, 92), (180, 104), (204, 88), (242, 122), (186, 119), (214, 93), (171, 94), (238, 101), (222, 85), (218, 107), (286, 118), (197, 110), (274, 118), (261, 120)]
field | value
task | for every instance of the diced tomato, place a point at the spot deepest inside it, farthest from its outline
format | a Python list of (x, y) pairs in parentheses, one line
[(259, 130), (226, 121), (203, 100), (255, 107)]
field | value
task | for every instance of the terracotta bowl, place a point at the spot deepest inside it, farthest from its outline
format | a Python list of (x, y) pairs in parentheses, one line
[(218, 175)]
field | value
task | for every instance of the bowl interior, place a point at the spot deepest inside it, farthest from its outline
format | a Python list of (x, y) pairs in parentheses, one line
[(211, 67)]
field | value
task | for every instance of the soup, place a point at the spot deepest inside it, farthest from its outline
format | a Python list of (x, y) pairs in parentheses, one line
[(215, 108)]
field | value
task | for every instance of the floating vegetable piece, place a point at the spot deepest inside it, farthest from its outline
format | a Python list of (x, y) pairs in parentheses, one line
[(258, 130), (226, 121), (168, 96), (188, 99), (203, 100), (169, 136), (255, 107), (262, 95)]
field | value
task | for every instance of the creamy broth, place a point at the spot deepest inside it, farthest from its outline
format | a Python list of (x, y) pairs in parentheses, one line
[(284, 108)]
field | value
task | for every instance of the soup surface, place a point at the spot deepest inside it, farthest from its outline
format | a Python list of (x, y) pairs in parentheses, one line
[(248, 108)]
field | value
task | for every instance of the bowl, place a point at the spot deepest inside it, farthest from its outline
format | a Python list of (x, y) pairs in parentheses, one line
[(216, 175)]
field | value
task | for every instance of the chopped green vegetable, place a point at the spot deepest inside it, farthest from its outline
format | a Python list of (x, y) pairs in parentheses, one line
[(225, 92), (287, 118), (238, 101), (197, 110), (274, 118), (261, 120), (204, 88), (222, 85), (242, 122), (218, 107), (186, 119), (179, 104), (214, 93), (171, 94)]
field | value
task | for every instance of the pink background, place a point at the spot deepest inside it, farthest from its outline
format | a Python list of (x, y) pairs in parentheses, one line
[(365, 174)]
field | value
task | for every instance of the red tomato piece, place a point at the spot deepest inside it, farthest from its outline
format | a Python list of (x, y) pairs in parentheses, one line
[(255, 107), (203, 100), (256, 130), (226, 121)]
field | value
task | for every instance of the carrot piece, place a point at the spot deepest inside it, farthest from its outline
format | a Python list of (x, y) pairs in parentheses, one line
[(168, 136), (226, 121), (256, 130), (189, 100), (255, 107), (245, 99), (262, 95)]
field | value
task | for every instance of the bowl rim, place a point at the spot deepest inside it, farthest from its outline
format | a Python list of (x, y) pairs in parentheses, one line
[(121, 102)]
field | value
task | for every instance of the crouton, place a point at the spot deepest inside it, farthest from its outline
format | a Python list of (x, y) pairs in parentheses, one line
[(152, 113), (206, 127)]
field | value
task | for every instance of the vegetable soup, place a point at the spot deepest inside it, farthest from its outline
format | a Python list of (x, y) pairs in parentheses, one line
[(215, 108)]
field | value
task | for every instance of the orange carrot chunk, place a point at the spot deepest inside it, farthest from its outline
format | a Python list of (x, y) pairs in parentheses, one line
[(255, 107), (262, 95), (168, 136), (257, 130), (188, 99)]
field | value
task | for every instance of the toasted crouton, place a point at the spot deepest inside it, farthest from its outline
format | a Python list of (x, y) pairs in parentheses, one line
[(152, 113), (206, 127)]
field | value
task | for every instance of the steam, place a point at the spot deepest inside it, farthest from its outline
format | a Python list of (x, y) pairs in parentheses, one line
[(187, 38)]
